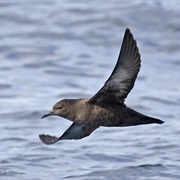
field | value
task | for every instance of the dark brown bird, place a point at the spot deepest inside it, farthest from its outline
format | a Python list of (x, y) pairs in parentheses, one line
[(106, 107)]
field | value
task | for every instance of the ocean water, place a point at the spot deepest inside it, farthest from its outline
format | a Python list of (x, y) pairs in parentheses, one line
[(50, 50)]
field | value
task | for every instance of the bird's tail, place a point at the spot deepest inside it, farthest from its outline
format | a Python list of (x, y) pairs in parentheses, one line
[(134, 118), (140, 120), (149, 120)]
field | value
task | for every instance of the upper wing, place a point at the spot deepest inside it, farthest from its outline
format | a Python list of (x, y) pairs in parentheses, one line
[(122, 79)]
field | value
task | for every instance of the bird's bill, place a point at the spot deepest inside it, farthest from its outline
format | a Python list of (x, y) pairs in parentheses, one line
[(46, 115)]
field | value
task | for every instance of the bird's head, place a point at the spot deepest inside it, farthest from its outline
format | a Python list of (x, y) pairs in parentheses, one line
[(63, 108), (59, 109)]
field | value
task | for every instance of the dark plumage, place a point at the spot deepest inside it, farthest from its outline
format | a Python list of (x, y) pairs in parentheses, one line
[(106, 107)]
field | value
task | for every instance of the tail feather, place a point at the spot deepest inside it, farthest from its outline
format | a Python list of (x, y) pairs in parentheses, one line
[(135, 118), (140, 120), (149, 120)]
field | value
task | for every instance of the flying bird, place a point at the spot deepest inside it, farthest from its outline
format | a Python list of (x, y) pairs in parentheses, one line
[(106, 107)]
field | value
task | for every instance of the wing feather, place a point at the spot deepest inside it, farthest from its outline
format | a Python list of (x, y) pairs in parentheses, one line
[(123, 77), (75, 131)]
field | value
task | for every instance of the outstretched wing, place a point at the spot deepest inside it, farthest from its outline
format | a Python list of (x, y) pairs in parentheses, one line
[(122, 79), (75, 131)]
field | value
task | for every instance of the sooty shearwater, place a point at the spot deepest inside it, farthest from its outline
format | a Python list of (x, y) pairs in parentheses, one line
[(106, 107)]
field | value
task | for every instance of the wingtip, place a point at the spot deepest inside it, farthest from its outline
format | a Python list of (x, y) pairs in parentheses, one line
[(47, 139), (127, 31)]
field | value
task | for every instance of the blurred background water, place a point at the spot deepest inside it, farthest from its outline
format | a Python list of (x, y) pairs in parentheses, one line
[(51, 50)]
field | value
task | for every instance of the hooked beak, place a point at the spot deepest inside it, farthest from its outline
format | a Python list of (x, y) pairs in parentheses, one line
[(46, 115)]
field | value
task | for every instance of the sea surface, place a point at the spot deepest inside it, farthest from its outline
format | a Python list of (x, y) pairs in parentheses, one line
[(50, 50)]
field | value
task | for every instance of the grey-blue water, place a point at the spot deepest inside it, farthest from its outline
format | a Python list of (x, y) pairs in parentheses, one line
[(57, 49)]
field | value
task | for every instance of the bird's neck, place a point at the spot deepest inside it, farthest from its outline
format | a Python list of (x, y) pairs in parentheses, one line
[(77, 109)]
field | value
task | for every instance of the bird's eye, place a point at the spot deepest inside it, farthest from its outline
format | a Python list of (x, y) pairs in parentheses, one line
[(60, 107)]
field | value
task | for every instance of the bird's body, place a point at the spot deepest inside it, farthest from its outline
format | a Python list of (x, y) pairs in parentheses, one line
[(106, 107), (81, 111)]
